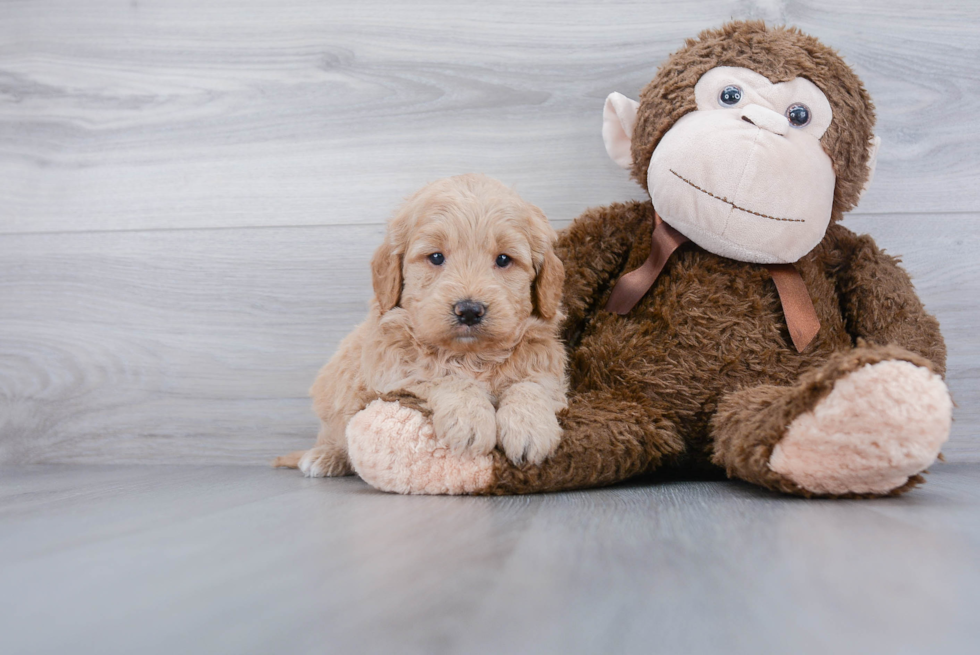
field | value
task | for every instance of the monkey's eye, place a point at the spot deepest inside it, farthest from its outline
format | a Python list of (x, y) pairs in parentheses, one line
[(437, 258), (503, 261), (730, 95), (798, 115)]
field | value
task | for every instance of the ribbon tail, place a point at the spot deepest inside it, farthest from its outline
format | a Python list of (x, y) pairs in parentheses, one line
[(801, 317), (633, 286)]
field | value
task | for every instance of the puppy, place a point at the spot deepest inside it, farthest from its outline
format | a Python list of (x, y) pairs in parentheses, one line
[(465, 316)]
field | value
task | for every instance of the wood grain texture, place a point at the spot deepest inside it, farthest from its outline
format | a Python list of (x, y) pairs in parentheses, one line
[(246, 560), (190, 192), (199, 345), (129, 115)]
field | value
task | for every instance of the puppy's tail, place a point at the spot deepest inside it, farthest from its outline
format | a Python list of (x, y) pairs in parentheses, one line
[(290, 461)]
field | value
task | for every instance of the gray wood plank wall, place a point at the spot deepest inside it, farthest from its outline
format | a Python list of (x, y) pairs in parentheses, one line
[(190, 192)]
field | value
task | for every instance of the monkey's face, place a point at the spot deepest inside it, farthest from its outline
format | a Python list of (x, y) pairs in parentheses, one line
[(745, 175)]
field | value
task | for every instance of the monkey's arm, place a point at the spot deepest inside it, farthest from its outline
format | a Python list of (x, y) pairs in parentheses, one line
[(879, 302), (594, 250)]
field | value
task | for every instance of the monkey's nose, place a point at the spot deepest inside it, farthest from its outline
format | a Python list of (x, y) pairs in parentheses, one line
[(469, 312), (767, 119)]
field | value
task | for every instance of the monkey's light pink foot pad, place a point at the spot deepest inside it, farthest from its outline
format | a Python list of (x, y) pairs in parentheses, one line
[(394, 449), (880, 425)]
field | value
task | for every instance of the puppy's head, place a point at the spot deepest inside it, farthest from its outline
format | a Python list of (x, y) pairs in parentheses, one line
[(470, 264)]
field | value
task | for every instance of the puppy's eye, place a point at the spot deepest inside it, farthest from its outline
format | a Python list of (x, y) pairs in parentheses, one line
[(437, 258), (503, 261)]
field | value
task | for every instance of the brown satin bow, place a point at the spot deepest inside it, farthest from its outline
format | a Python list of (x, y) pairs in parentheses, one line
[(801, 318)]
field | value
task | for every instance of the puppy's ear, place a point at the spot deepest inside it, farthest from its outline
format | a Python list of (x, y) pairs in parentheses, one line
[(547, 286), (386, 275)]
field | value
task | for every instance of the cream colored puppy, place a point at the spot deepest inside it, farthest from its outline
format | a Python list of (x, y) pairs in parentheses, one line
[(465, 316)]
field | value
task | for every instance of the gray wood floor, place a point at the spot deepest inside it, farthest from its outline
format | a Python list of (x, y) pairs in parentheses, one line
[(189, 196), (190, 192), (249, 560)]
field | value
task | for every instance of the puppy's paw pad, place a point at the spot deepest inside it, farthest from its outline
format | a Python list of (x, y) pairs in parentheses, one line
[(880, 425), (527, 434), (322, 461)]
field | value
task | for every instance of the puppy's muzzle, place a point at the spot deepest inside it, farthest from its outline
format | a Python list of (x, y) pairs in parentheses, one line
[(469, 312)]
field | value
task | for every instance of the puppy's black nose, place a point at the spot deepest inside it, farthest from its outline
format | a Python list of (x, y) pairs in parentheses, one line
[(469, 312)]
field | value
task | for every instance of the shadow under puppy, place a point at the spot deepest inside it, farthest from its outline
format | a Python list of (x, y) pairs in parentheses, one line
[(465, 317)]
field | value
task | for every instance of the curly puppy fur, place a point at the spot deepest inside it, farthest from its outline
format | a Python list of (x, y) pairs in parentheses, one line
[(702, 373), (498, 381)]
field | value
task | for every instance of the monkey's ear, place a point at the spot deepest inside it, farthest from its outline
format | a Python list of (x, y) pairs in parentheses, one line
[(386, 276), (873, 146), (618, 120)]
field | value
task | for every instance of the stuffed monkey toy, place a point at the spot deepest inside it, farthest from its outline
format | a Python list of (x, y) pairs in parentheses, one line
[(730, 322)]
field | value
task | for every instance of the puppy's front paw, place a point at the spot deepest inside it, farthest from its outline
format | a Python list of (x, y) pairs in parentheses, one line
[(324, 461), (527, 432), (466, 425)]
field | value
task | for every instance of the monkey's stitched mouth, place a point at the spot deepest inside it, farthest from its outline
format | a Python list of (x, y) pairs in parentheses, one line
[(729, 202)]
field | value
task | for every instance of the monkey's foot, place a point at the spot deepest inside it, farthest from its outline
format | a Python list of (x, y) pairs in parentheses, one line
[(880, 425), (394, 448)]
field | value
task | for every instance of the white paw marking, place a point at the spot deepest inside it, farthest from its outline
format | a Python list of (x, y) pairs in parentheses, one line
[(309, 464), (322, 462)]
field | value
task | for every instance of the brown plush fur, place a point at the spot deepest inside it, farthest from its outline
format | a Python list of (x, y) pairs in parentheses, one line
[(702, 373), (780, 54), (749, 423), (703, 370)]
